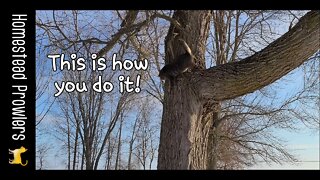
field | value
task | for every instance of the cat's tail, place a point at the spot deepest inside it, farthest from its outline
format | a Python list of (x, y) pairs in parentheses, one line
[(186, 47), (25, 163)]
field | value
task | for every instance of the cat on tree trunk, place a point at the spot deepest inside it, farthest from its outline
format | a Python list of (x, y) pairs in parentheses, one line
[(190, 106)]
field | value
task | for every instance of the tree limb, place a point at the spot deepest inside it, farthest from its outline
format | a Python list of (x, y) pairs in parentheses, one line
[(126, 27), (173, 21), (234, 79)]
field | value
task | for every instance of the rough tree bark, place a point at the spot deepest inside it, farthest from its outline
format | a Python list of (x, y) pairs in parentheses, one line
[(185, 126)]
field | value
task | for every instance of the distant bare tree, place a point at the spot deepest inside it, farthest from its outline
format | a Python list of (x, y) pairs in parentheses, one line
[(132, 140), (118, 154), (42, 153), (83, 111), (43, 80), (145, 137)]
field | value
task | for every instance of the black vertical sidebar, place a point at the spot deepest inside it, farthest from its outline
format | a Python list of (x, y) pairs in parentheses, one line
[(20, 95)]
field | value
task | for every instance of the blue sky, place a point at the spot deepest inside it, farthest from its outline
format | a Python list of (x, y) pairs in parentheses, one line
[(304, 145)]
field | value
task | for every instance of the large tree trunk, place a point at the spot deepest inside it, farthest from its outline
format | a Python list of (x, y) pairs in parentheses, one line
[(191, 99), (181, 139)]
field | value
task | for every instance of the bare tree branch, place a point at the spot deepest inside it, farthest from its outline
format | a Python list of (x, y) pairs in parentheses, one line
[(263, 67)]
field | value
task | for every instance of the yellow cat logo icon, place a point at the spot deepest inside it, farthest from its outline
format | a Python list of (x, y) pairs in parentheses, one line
[(17, 156)]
